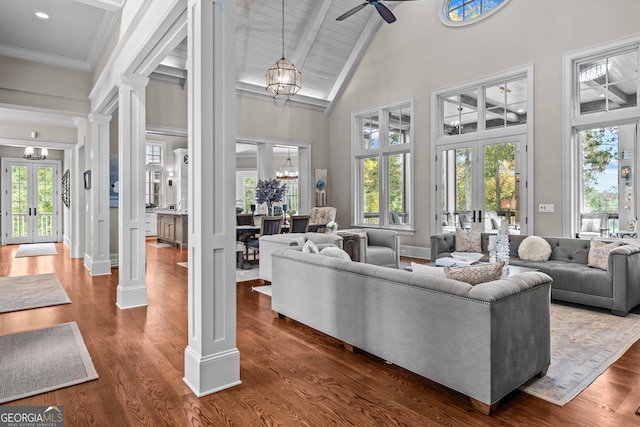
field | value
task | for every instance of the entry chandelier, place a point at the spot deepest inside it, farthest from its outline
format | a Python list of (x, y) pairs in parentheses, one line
[(287, 171), (283, 80), (31, 153)]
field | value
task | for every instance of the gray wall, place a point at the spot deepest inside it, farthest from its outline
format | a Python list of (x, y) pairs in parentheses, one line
[(418, 55)]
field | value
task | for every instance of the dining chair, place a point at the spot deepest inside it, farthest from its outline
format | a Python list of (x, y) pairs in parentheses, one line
[(269, 225), (299, 223), (244, 219)]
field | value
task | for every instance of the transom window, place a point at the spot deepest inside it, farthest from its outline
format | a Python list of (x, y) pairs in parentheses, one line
[(383, 166), (497, 105), (461, 12), (608, 82)]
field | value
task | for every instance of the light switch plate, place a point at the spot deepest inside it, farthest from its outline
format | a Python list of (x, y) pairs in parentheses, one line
[(546, 207)]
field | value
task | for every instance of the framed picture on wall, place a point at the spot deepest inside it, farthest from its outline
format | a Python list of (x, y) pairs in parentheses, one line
[(87, 179)]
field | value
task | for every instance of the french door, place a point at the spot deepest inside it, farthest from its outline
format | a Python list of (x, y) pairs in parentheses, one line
[(30, 202), (481, 185)]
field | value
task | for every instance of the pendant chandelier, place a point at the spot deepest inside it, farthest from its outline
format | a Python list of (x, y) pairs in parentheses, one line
[(283, 80), (31, 153), (287, 171)]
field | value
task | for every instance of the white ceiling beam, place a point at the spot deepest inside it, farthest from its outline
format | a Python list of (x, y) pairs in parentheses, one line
[(358, 51), (114, 6), (310, 33)]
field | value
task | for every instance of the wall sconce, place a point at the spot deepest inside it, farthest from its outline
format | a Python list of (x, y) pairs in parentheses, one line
[(170, 180)]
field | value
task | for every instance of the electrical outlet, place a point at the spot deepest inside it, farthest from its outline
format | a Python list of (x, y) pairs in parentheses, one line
[(546, 207)]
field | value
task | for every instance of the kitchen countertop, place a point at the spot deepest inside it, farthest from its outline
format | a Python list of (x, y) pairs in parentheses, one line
[(170, 212)]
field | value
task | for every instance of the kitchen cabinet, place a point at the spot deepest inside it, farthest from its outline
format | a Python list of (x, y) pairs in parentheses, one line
[(150, 223), (173, 228)]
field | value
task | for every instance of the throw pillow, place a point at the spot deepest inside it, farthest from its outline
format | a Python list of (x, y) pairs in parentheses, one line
[(534, 248), (335, 252), (476, 274), (310, 248), (468, 241), (427, 269), (599, 254)]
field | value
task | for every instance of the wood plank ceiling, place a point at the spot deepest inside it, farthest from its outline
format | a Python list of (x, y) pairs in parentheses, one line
[(324, 50)]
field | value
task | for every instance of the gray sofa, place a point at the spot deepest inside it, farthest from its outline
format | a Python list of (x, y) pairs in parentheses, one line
[(617, 289), (483, 341)]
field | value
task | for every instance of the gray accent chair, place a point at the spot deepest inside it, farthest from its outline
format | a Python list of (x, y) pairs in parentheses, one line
[(483, 341), (378, 246)]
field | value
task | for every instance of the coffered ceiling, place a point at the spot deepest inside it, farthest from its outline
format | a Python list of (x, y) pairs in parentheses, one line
[(324, 50)]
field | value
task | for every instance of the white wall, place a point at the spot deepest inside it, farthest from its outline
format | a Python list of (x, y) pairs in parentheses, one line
[(418, 54)]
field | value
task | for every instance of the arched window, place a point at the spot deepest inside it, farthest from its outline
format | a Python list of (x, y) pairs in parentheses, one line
[(463, 12)]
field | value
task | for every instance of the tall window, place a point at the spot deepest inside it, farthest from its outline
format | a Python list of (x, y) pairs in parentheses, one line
[(383, 166), (604, 117), (481, 154), (290, 193), (154, 171)]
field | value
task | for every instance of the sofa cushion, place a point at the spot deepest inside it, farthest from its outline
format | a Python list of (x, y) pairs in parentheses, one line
[(475, 274), (380, 255), (468, 241), (427, 269), (534, 248), (335, 252), (310, 247), (599, 253)]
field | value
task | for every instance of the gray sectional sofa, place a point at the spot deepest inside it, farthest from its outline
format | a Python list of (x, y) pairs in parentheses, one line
[(483, 341), (617, 288)]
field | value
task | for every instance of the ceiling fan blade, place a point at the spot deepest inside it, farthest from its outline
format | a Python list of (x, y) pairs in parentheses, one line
[(385, 12), (348, 13)]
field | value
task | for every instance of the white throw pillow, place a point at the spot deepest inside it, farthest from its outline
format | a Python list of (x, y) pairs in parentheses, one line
[(310, 248), (335, 252), (427, 269), (599, 254), (534, 248)]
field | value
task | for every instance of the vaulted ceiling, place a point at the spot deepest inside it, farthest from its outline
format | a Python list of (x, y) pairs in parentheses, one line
[(326, 51)]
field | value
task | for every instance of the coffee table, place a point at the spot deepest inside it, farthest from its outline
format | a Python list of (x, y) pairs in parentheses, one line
[(512, 270)]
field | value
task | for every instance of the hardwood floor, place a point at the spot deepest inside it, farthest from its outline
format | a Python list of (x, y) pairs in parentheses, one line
[(291, 375)]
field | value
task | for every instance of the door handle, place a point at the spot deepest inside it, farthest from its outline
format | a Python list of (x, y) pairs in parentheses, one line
[(35, 210), (29, 211), (473, 216), (479, 216)]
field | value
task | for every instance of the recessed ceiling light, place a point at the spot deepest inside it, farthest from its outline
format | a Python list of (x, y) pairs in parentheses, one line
[(42, 15)]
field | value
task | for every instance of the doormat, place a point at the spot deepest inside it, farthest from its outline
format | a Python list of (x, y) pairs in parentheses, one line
[(34, 291), (43, 360), (36, 249)]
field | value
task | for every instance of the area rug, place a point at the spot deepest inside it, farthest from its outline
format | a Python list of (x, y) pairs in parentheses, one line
[(263, 289), (25, 292), (39, 361), (160, 245), (584, 343), (36, 249)]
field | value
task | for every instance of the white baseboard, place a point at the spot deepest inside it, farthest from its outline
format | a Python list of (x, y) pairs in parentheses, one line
[(415, 252), (114, 260)]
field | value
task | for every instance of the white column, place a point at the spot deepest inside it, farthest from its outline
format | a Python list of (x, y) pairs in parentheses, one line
[(96, 258), (212, 361), (132, 290)]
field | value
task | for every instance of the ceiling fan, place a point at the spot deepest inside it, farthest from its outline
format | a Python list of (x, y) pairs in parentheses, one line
[(381, 8)]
